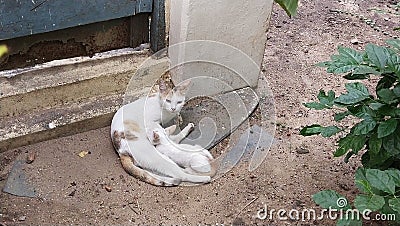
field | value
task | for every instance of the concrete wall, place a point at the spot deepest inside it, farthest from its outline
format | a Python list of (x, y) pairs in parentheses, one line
[(233, 34)]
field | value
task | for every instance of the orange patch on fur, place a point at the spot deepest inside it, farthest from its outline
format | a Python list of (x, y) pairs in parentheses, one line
[(131, 126), (116, 139), (130, 136)]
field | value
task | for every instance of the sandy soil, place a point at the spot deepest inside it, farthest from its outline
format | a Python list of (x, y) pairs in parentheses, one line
[(96, 190)]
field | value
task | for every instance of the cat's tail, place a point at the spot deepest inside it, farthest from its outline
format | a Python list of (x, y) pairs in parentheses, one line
[(129, 166)]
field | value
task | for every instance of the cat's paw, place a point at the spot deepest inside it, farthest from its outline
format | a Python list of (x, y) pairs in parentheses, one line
[(190, 126), (208, 180)]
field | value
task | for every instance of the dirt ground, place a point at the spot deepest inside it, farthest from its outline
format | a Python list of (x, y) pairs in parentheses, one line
[(74, 189)]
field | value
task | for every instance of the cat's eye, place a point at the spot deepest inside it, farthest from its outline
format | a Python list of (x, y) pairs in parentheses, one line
[(168, 101), (179, 102)]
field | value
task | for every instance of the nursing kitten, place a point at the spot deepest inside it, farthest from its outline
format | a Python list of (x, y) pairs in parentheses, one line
[(130, 127), (194, 158)]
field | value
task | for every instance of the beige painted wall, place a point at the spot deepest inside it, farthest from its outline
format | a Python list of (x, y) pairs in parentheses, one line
[(233, 34)]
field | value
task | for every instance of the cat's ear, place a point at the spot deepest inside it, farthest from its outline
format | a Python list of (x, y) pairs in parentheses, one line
[(183, 86), (156, 137), (162, 87), (170, 130)]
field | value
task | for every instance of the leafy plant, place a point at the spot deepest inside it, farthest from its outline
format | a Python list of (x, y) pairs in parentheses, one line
[(376, 130), (379, 192), (379, 128)]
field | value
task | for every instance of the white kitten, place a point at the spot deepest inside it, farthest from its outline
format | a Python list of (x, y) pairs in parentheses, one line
[(194, 158)]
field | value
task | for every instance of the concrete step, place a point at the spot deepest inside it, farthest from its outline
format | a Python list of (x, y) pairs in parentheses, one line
[(71, 96), (57, 122), (66, 82)]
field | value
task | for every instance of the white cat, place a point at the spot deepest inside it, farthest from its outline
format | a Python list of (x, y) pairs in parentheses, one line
[(129, 129), (194, 158)]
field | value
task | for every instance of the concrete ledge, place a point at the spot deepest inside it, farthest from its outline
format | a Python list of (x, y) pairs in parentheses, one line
[(64, 84), (66, 99), (57, 122)]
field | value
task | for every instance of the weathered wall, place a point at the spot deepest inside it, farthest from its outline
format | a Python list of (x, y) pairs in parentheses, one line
[(238, 29), (85, 40)]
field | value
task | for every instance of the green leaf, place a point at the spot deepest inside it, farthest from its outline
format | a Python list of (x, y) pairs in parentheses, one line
[(361, 111), (375, 106), (353, 142), (329, 198), (395, 204), (365, 126), (341, 115), (394, 64), (323, 64), (361, 181), (387, 110), (356, 92), (395, 43), (379, 160), (325, 101), (348, 60), (361, 72), (391, 143), (316, 105), (377, 55), (330, 131), (290, 6), (374, 143), (311, 130), (340, 68), (317, 129), (351, 55), (385, 83), (387, 127), (380, 180), (395, 174), (387, 96), (387, 209), (396, 90), (371, 202), (364, 69)]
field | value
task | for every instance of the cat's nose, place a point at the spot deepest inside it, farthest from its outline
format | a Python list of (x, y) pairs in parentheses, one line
[(173, 109)]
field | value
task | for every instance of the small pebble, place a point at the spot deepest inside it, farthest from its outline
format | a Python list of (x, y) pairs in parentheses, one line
[(52, 125), (302, 150), (354, 41), (22, 218), (108, 188), (344, 186), (72, 194), (31, 157)]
